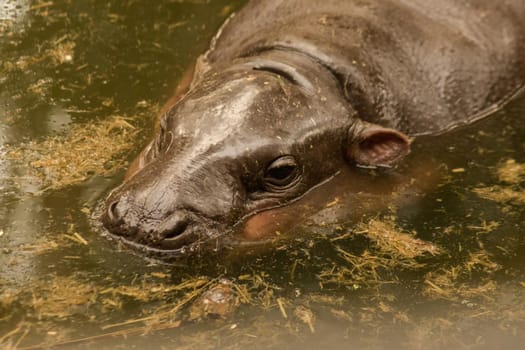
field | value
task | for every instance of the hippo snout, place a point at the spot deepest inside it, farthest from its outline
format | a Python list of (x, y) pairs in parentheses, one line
[(170, 231)]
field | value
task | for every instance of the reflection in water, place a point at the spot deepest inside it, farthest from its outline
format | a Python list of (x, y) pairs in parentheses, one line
[(16, 213), (429, 256), (23, 210)]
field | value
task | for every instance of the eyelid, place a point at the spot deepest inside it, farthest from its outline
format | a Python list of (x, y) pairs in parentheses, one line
[(273, 184), (282, 161)]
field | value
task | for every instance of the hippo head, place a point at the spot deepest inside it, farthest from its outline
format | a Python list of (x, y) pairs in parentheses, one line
[(247, 138)]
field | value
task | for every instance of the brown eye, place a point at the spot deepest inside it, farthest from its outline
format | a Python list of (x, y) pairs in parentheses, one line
[(282, 172)]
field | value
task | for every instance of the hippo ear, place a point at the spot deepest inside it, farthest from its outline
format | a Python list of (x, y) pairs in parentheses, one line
[(371, 145)]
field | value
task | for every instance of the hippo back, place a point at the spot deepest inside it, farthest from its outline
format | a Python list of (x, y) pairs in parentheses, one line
[(415, 65)]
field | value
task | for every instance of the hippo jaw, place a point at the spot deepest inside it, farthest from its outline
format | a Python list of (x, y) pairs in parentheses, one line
[(253, 137)]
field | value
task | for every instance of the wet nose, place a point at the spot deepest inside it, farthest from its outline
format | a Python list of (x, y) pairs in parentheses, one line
[(113, 214), (175, 225), (119, 218), (169, 231)]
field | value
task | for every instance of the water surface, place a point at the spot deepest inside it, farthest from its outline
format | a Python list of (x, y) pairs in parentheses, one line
[(429, 256)]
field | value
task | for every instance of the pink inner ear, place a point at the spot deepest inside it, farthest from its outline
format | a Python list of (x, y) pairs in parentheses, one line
[(381, 148)]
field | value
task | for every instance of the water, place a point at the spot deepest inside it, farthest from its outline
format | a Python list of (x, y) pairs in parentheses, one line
[(454, 212)]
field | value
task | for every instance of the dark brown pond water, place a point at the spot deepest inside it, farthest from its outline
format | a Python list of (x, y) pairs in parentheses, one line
[(430, 256)]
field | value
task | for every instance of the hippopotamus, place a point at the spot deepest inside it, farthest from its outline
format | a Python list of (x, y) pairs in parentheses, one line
[(292, 92)]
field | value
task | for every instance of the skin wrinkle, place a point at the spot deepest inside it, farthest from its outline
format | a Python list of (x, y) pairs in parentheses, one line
[(157, 206)]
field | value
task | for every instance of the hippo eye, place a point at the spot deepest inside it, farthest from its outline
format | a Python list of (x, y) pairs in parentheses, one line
[(282, 172)]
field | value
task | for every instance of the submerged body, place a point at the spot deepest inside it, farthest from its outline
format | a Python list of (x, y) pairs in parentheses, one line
[(293, 91)]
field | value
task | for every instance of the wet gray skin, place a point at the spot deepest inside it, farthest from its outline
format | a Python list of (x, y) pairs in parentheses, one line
[(292, 92)]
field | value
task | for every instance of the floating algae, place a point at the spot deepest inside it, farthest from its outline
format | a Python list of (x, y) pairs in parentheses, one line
[(501, 194), (391, 240), (86, 150), (149, 291), (455, 283), (68, 298), (256, 290), (7, 298), (12, 339), (390, 248), (41, 246), (512, 174), (306, 316)]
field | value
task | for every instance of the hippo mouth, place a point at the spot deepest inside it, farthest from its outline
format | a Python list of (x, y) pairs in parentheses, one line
[(199, 243), (165, 253), (203, 241)]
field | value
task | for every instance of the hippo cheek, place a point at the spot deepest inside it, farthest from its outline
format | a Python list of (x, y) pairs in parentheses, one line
[(267, 224)]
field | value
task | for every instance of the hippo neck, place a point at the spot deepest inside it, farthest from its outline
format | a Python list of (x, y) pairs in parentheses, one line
[(353, 82), (361, 86), (299, 67)]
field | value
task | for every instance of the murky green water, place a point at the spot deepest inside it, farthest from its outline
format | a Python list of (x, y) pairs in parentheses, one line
[(335, 282)]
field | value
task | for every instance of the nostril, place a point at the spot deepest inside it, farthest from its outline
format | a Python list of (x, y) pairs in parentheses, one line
[(113, 214), (177, 230), (174, 226)]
